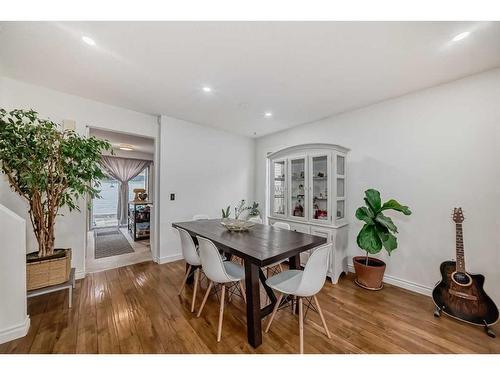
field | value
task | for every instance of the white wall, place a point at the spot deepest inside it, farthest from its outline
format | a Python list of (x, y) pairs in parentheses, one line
[(14, 321), (70, 229), (207, 169), (432, 150)]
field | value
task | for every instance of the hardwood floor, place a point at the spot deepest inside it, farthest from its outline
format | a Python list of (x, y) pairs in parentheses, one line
[(135, 309)]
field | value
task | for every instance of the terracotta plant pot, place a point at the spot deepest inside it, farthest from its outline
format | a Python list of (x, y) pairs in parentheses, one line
[(369, 276)]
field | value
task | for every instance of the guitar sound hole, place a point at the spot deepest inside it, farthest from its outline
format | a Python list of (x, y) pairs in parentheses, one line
[(461, 278)]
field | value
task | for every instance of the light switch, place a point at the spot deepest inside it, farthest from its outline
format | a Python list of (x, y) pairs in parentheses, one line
[(172, 196)]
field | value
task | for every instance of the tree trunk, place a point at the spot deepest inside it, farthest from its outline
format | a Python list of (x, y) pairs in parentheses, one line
[(43, 226)]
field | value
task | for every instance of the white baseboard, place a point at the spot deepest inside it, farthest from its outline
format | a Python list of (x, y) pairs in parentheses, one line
[(405, 284), (79, 274), (15, 332), (168, 258)]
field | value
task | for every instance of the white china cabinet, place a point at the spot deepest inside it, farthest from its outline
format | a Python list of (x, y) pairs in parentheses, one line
[(307, 189)]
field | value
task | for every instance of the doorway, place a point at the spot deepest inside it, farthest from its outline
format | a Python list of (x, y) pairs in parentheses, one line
[(121, 219)]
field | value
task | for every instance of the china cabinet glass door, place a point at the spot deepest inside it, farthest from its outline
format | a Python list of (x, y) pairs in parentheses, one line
[(298, 188), (278, 187), (320, 188), (340, 181)]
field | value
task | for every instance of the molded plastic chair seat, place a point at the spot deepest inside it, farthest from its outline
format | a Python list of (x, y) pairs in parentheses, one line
[(234, 271), (286, 282), (255, 219)]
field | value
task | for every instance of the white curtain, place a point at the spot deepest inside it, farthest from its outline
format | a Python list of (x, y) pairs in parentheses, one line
[(123, 170)]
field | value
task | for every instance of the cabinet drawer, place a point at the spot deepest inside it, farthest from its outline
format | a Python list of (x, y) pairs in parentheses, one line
[(322, 232), (302, 228)]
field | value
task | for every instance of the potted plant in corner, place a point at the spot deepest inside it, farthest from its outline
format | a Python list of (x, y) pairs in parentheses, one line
[(377, 232), (50, 169)]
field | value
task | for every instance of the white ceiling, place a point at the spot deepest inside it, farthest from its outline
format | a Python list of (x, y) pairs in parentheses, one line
[(301, 71), (140, 144)]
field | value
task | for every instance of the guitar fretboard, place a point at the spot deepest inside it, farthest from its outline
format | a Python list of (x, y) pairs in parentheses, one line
[(460, 248)]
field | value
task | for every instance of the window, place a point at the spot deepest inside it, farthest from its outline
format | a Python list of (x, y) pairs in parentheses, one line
[(104, 208)]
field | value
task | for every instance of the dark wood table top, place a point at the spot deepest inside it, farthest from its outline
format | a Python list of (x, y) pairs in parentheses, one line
[(261, 244)]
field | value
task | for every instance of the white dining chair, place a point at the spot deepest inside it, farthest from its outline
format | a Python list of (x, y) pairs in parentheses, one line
[(303, 284), (219, 272), (192, 259), (282, 225), (200, 217), (255, 219), (271, 269)]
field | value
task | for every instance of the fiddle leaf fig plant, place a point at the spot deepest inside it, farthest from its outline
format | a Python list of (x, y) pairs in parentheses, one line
[(50, 168), (379, 230)]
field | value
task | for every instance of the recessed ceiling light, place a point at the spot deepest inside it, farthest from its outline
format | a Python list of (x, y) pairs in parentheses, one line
[(461, 36), (268, 114), (88, 40), (207, 89), (126, 147)]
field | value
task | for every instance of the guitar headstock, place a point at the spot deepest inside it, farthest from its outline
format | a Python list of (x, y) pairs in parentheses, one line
[(458, 215)]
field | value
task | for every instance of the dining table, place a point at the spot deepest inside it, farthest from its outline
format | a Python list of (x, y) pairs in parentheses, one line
[(259, 246)]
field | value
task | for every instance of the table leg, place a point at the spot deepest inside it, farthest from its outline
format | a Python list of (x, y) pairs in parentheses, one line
[(294, 264), (254, 326), (190, 278)]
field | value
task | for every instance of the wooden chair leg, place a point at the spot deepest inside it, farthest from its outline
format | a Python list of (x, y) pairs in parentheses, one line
[(210, 284), (276, 306), (322, 317), (185, 279), (242, 290), (301, 325), (221, 313), (196, 282)]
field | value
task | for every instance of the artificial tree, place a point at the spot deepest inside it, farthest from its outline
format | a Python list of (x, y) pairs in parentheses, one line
[(49, 167)]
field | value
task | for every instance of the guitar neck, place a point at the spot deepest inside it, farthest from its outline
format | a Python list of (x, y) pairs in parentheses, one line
[(460, 248)]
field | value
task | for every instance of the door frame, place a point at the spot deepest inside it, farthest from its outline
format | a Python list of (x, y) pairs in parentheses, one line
[(155, 219)]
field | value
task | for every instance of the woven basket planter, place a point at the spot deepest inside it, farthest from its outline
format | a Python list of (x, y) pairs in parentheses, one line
[(48, 271)]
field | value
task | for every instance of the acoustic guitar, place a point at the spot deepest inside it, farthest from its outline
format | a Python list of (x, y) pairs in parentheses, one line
[(460, 294)]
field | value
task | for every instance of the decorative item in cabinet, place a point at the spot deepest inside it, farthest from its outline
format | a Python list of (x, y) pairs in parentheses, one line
[(278, 174), (139, 220)]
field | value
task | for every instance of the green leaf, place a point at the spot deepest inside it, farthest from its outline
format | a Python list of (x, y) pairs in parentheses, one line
[(365, 214), (48, 167), (372, 199), (369, 240), (386, 222), (395, 205), (389, 241)]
